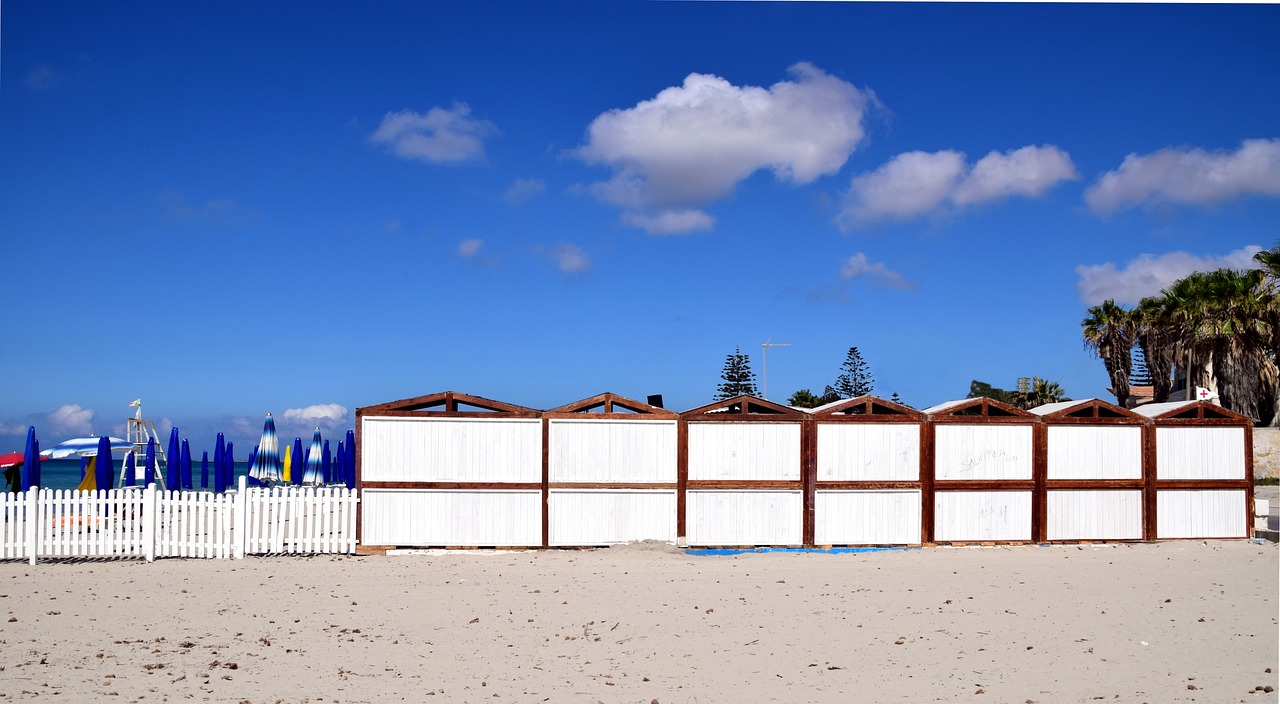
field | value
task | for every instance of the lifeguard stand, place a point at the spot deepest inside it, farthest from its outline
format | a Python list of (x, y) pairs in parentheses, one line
[(138, 432)]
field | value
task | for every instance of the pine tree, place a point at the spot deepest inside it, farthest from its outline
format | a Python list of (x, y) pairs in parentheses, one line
[(1140, 375), (738, 379), (897, 399), (855, 378)]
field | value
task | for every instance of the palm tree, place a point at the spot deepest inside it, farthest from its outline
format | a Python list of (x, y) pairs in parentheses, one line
[(1109, 332), (804, 398), (1156, 339)]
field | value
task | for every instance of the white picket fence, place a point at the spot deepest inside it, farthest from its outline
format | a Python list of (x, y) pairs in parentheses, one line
[(149, 523)]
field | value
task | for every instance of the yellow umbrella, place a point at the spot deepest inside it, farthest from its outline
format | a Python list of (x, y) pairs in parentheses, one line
[(288, 463)]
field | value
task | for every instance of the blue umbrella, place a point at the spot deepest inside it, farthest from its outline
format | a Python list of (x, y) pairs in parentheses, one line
[(339, 465), (299, 462), (249, 478), (130, 468), (351, 459), (326, 463), (229, 465), (220, 459), (173, 462), (104, 465), (31, 461), (186, 465), (204, 470), (314, 477), (265, 466), (149, 463)]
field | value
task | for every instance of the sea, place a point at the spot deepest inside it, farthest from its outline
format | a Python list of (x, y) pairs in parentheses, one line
[(66, 474)]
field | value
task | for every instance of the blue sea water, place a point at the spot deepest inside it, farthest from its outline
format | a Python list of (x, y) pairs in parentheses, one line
[(65, 474)]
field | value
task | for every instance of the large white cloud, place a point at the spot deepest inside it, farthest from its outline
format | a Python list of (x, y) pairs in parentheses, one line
[(438, 136), (858, 266), (918, 183), (693, 143), (326, 416), (71, 420), (1189, 176), (1148, 274)]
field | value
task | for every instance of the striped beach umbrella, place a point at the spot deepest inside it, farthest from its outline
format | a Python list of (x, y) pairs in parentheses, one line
[(173, 462), (266, 464), (314, 475), (299, 461), (351, 459), (83, 446)]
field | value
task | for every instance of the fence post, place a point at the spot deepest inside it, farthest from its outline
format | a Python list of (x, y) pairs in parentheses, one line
[(241, 513), (149, 508), (32, 513)]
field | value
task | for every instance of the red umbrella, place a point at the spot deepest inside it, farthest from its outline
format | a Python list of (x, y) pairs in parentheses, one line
[(12, 458)]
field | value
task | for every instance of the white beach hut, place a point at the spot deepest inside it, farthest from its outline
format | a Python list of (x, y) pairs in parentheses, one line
[(611, 472), (867, 464), (1089, 473), (449, 469), (1202, 484), (741, 474)]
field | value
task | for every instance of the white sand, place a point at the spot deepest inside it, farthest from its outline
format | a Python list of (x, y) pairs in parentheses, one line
[(1172, 622)]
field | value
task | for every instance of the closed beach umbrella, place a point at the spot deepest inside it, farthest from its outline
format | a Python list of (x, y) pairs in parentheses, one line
[(326, 463), (130, 468), (105, 466), (173, 462), (149, 463), (229, 465), (204, 470), (253, 455), (286, 465), (266, 464), (299, 461), (186, 465), (339, 465), (31, 461), (351, 459), (219, 459), (314, 476)]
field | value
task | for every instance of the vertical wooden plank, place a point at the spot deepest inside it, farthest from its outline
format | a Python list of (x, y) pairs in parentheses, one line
[(808, 476), (1040, 475), (359, 472), (1248, 474), (928, 466), (682, 479), (1149, 461), (546, 481)]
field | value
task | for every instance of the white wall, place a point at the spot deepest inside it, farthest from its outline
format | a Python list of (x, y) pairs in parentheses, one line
[(769, 451), (448, 517), (879, 517), (1200, 453), (607, 516), (451, 449), (625, 451), (868, 452), (982, 515), (1211, 513), (1095, 452), (725, 517), (1094, 515), (983, 451)]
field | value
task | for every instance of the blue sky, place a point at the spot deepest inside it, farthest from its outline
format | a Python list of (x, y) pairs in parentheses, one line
[(235, 208)]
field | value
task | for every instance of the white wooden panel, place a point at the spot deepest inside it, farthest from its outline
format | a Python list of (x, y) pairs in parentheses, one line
[(629, 451), (606, 516), (451, 449), (868, 452), (1094, 515), (1211, 513), (1095, 452), (744, 451), (744, 517), (881, 517), (982, 515), (983, 451), (412, 517), (1200, 453)]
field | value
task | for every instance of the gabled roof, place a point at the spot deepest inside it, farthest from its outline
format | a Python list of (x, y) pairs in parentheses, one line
[(1085, 409), (976, 407), (1189, 410), (743, 407), (612, 405), (867, 407), (448, 402)]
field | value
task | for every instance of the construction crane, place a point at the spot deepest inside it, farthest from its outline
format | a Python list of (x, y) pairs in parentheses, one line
[(764, 364)]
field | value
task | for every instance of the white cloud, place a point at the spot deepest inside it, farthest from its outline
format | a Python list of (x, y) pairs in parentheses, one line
[(1189, 176), (523, 190), (300, 422), (470, 247), (438, 136), (1148, 274), (670, 222), (693, 143), (858, 266), (570, 258), (71, 420), (917, 183)]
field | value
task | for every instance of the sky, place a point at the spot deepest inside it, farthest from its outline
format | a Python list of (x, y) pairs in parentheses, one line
[(229, 209)]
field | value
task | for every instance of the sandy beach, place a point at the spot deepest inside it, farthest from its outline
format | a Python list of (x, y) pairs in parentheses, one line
[(1170, 622)]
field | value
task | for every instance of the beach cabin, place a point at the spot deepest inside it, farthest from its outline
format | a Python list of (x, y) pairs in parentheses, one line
[(1089, 473), (449, 469), (611, 472), (740, 474), (867, 464), (978, 483), (1202, 486)]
